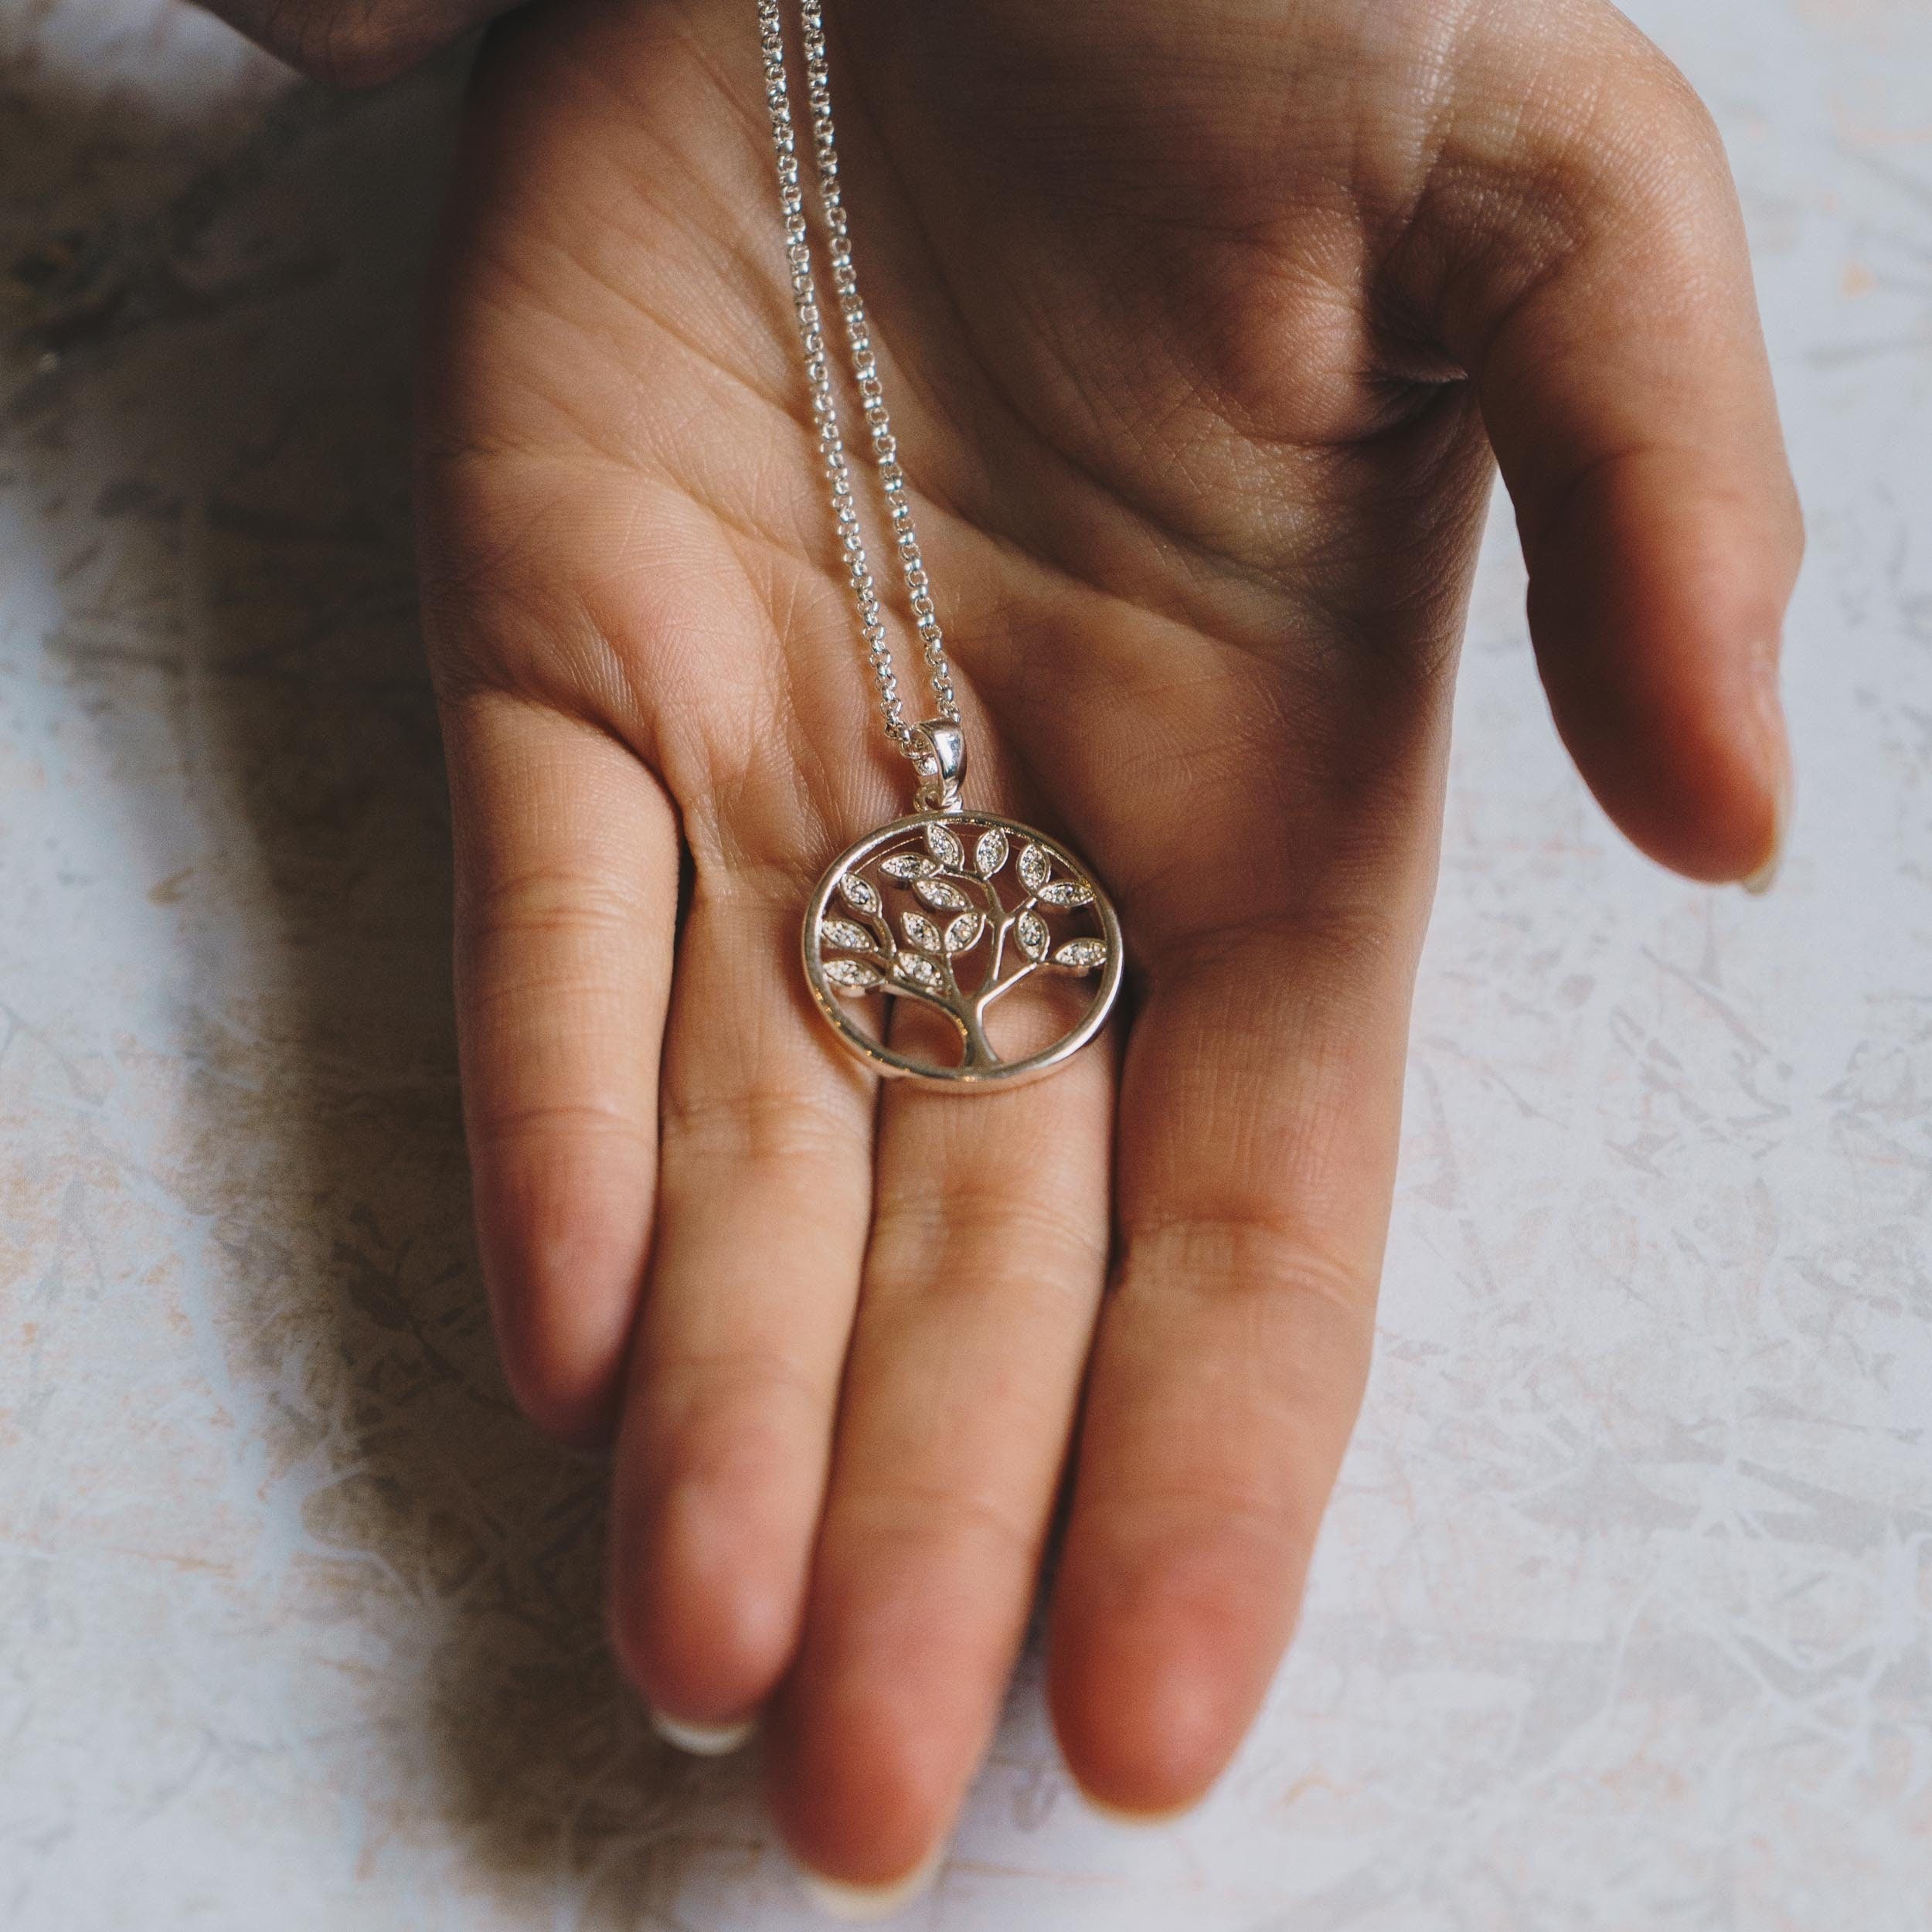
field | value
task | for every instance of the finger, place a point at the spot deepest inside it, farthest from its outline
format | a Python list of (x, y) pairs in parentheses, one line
[(765, 1192), (985, 1266), (1608, 314), (353, 43), (1259, 1110), (566, 869)]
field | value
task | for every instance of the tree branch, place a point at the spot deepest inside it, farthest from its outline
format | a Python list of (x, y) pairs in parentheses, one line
[(1000, 988), (905, 989), (1006, 925)]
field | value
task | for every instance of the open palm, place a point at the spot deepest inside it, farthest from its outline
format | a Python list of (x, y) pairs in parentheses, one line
[(1199, 322)]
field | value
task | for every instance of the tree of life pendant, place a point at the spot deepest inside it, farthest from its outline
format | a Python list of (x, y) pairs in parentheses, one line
[(957, 912), (927, 925)]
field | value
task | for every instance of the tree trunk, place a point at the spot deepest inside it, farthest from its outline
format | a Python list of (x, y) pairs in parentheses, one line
[(979, 1049)]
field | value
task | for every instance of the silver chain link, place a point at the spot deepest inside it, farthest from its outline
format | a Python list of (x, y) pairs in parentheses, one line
[(865, 369)]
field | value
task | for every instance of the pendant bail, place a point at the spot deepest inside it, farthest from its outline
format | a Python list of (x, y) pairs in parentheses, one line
[(942, 765)]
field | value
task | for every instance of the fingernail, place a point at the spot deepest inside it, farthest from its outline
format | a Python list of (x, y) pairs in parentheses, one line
[(703, 1740), (1139, 1821), (1761, 881), (862, 1904), (1778, 744)]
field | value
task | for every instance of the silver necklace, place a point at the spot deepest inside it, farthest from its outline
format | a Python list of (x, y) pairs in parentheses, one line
[(947, 908)]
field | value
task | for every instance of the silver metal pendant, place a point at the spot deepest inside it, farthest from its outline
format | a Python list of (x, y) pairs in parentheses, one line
[(954, 911)]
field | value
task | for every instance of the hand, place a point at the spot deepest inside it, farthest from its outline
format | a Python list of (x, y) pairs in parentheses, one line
[(1200, 323)]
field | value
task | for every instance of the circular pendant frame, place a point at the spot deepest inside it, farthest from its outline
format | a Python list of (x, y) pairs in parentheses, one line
[(949, 863)]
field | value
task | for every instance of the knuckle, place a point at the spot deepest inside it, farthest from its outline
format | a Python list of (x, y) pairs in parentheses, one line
[(501, 631), (925, 1240), (557, 1120), (907, 1512), (552, 901), (1247, 1245), (755, 1127)]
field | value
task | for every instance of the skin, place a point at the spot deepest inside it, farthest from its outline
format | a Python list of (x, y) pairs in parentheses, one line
[(1200, 323)]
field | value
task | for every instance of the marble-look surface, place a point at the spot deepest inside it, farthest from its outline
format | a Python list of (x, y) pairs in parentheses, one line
[(1622, 1617)]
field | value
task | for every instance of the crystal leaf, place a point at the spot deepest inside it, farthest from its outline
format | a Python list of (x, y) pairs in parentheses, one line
[(851, 975), (921, 931), (843, 932), (1031, 932), (943, 844), (1034, 868), (990, 854), (1082, 955), (942, 895), (964, 932), (859, 894), (920, 971), (1067, 891), (908, 865)]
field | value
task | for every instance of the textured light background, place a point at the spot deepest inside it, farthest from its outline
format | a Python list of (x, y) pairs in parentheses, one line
[(1622, 1618)]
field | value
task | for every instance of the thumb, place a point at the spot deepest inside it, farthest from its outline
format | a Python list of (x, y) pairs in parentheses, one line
[(1604, 305)]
